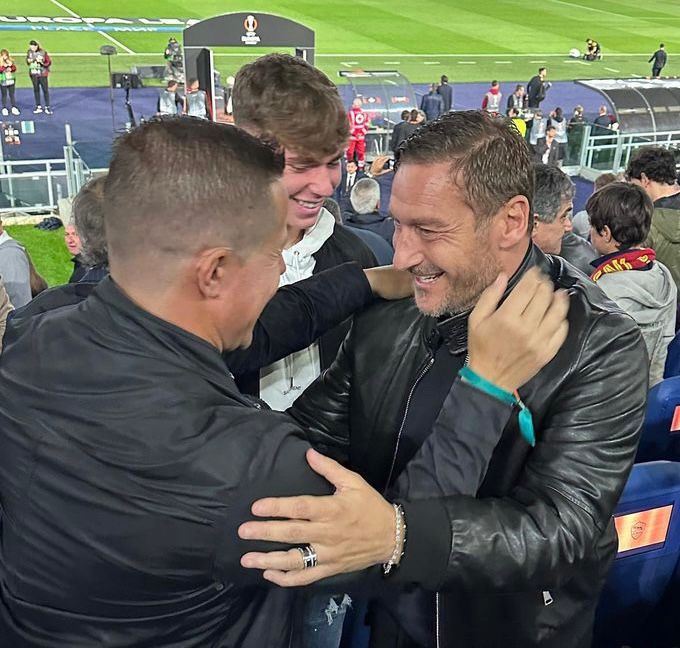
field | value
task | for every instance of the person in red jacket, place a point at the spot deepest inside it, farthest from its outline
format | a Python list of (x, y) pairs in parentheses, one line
[(7, 83), (492, 99), (39, 62), (358, 126)]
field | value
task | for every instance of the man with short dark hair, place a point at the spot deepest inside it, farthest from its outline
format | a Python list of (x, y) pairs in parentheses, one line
[(517, 100), (658, 60), (654, 169), (365, 214), (548, 149), (399, 133), (537, 88), (553, 202), (169, 101), (628, 272), (532, 550), (432, 103), (351, 174), (446, 92)]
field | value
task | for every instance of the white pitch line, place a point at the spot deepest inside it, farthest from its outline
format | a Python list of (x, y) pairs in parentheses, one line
[(104, 34), (467, 62), (612, 69), (431, 63), (391, 62), (503, 62), (580, 6), (542, 61)]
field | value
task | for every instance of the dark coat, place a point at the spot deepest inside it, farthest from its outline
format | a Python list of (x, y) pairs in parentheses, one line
[(342, 193), (541, 525), (555, 152), (432, 105), (375, 222), (446, 92), (578, 252)]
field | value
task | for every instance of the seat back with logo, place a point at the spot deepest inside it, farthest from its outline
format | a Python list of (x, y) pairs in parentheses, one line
[(648, 526), (660, 436), (672, 367)]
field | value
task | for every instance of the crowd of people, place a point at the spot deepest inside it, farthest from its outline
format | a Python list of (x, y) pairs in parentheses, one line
[(232, 402)]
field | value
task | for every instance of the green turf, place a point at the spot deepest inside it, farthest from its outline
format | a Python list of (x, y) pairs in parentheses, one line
[(470, 40), (47, 250)]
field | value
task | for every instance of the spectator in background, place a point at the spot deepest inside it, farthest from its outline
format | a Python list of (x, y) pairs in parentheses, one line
[(358, 127), (537, 88), (658, 61), (8, 70), (604, 122), (537, 129), (581, 221), (492, 99), (400, 131), (553, 202), (39, 62), (547, 149), (350, 176), (559, 123), (517, 100), (5, 309), (74, 246), (15, 270), (169, 100), (331, 206), (520, 123), (432, 103), (196, 101), (365, 199), (628, 272), (88, 217), (382, 171), (575, 132), (446, 92), (653, 168)]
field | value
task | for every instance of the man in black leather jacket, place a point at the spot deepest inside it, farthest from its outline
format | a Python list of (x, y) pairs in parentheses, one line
[(521, 564)]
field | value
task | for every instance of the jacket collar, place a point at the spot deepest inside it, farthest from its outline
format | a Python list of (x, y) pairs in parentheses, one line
[(453, 331), (366, 219)]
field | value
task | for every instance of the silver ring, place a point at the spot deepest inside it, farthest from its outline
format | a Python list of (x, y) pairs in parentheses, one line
[(309, 557)]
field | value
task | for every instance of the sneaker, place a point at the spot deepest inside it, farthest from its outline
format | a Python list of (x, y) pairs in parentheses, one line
[(15, 110), (37, 109), (5, 112), (48, 110)]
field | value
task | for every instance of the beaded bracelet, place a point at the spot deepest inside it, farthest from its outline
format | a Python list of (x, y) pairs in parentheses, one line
[(399, 540)]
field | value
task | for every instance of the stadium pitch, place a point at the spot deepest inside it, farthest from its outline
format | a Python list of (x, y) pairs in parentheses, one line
[(469, 40)]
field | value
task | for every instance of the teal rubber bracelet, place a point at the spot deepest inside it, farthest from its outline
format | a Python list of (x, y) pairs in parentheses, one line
[(526, 422)]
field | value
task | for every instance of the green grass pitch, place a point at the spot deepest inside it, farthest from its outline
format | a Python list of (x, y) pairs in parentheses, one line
[(470, 40)]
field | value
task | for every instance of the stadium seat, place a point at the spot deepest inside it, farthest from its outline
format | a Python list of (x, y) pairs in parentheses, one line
[(648, 525), (660, 437), (672, 367)]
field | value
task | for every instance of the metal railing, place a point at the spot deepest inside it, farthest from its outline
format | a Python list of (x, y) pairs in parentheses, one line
[(612, 151), (36, 186)]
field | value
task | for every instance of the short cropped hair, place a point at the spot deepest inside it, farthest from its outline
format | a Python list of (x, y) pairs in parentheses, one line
[(489, 160), (177, 186), (657, 163), (88, 218), (553, 186), (365, 196), (292, 104), (626, 209), (604, 179), (405, 114)]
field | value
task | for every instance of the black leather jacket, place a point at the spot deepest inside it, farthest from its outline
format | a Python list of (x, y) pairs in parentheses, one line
[(521, 564)]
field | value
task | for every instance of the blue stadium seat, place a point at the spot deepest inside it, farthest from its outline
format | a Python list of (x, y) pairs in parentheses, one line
[(660, 437), (648, 525), (672, 367)]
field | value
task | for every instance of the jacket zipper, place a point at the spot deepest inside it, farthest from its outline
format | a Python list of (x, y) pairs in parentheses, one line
[(423, 371), (436, 596)]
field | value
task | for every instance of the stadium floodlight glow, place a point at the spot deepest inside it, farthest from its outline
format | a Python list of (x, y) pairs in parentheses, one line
[(108, 51)]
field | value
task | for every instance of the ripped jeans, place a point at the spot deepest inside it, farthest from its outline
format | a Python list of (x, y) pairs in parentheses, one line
[(324, 616)]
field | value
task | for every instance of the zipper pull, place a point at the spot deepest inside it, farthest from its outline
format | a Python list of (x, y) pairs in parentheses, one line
[(547, 598)]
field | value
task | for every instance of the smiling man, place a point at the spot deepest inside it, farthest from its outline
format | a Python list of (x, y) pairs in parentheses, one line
[(285, 101), (522, 563)]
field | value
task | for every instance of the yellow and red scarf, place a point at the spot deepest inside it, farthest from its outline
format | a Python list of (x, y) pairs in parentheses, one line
[(638, 259)]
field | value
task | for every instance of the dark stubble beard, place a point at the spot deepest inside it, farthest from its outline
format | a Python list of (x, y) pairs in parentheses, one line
[(466, 287)]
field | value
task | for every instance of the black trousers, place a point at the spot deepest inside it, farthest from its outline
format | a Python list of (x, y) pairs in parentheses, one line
[(656, 71), (40, 82), (8, 90)]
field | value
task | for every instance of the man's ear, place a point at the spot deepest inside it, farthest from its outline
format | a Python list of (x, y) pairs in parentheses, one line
[(213, 270), (513, 218)]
